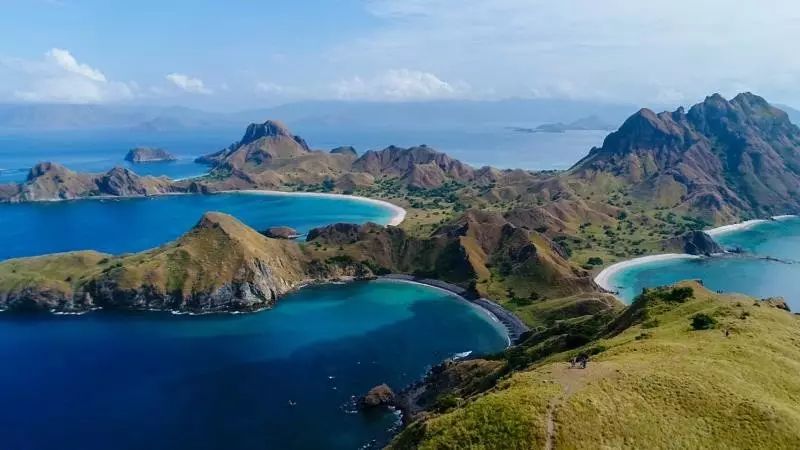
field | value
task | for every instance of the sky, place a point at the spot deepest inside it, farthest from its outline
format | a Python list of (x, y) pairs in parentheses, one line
[(240, 54)]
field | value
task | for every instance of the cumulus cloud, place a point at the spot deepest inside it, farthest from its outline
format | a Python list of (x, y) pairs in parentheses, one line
[(65, 60), (188, 84), (59, 77), (398, 85)]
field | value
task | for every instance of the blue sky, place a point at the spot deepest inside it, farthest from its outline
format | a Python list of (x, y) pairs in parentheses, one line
[(239, 54)]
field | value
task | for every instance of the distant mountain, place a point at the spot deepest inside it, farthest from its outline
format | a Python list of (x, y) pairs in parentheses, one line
[(312, 115), (794, 114), (722, 159)]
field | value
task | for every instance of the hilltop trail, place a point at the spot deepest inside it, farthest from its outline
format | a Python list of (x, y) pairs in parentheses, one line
[(571, 380)]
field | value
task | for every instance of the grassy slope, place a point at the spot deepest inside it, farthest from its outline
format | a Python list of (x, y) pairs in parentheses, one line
[(665, 386)]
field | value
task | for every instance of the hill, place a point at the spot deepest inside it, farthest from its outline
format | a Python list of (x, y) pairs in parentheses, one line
[(721, 160), (51, 181), (659, 377)]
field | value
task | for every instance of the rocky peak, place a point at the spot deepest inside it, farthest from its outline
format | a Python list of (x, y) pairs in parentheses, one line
[(345, 150), (269, 129), (43, 168)]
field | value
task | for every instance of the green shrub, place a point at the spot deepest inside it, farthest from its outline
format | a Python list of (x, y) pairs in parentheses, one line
[(702, 321)]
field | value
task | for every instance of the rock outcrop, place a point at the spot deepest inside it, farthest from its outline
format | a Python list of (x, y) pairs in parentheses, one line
[(378, 397), (694, 243), (149, 154)]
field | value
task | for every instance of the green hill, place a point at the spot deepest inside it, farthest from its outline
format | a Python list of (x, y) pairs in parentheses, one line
[(654, 382)]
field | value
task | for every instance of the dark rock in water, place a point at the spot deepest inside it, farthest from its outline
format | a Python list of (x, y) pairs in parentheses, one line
[(694, 243), (345, 150), (379, 396), (149, 154), (777, 302), (281, 233)]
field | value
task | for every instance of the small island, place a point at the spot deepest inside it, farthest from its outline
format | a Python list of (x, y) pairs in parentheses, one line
[(148, 155)]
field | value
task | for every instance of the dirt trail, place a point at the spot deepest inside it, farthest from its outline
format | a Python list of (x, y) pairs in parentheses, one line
[(571, 380)]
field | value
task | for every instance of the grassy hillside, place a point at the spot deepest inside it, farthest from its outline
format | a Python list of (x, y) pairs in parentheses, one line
[(656, 382)]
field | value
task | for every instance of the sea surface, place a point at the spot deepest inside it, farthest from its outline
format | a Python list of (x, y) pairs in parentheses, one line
[(285, 378), (769, 266), (99, 151), (135, 224)]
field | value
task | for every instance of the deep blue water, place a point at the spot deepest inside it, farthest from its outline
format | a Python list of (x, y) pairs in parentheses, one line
[(131, 225), (750, 273), (159, 381), (99, 151)]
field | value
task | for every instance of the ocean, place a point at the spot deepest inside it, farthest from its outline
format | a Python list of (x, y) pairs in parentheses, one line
[(769, 266), (277, 379)]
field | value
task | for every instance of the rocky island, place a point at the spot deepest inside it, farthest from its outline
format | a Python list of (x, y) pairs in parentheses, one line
[(149, 154)]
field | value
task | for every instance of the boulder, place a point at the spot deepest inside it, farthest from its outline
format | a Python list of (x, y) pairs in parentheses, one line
[(379, 396)]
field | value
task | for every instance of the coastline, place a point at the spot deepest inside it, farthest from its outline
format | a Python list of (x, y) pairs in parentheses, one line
[(513, 325), (398, 216), (605, 277), (746, 225)]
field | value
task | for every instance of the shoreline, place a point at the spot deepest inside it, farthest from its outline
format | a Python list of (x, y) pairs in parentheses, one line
[(604, 278), (513, 327), (746, 225), (398, 213)]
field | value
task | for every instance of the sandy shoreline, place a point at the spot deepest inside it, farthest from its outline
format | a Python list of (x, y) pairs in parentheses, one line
[(604, 278), (399, 214), (746, 225)]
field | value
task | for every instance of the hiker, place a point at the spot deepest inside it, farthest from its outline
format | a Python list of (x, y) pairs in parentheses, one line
[(582, 359), (573, 362)]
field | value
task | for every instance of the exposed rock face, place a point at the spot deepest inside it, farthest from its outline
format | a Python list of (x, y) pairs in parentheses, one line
[(260, 144), (720, 159), (149, 154), (50, 181), (694, 243), (345, 150), (777, 302), (420, 167), (379, 396), (281, 233)]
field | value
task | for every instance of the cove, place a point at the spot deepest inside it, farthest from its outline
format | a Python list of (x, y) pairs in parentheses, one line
[(135, 224), (161, 381), (768, 267)]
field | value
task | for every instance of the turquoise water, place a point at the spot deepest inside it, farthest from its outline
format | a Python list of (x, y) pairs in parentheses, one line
[(131, 225), (750, 273), (159, 381)]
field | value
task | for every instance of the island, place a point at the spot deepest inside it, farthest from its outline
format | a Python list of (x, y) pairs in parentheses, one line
[(148, 155), (531, 243)]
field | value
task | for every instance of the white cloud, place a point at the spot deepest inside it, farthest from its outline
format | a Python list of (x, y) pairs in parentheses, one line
[(188, 84), (398, 85), (64, 59), (59, 77)]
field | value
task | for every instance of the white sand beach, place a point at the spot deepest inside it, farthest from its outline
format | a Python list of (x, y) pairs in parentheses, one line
[(605, 277), (399, 214), (714, 232)]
